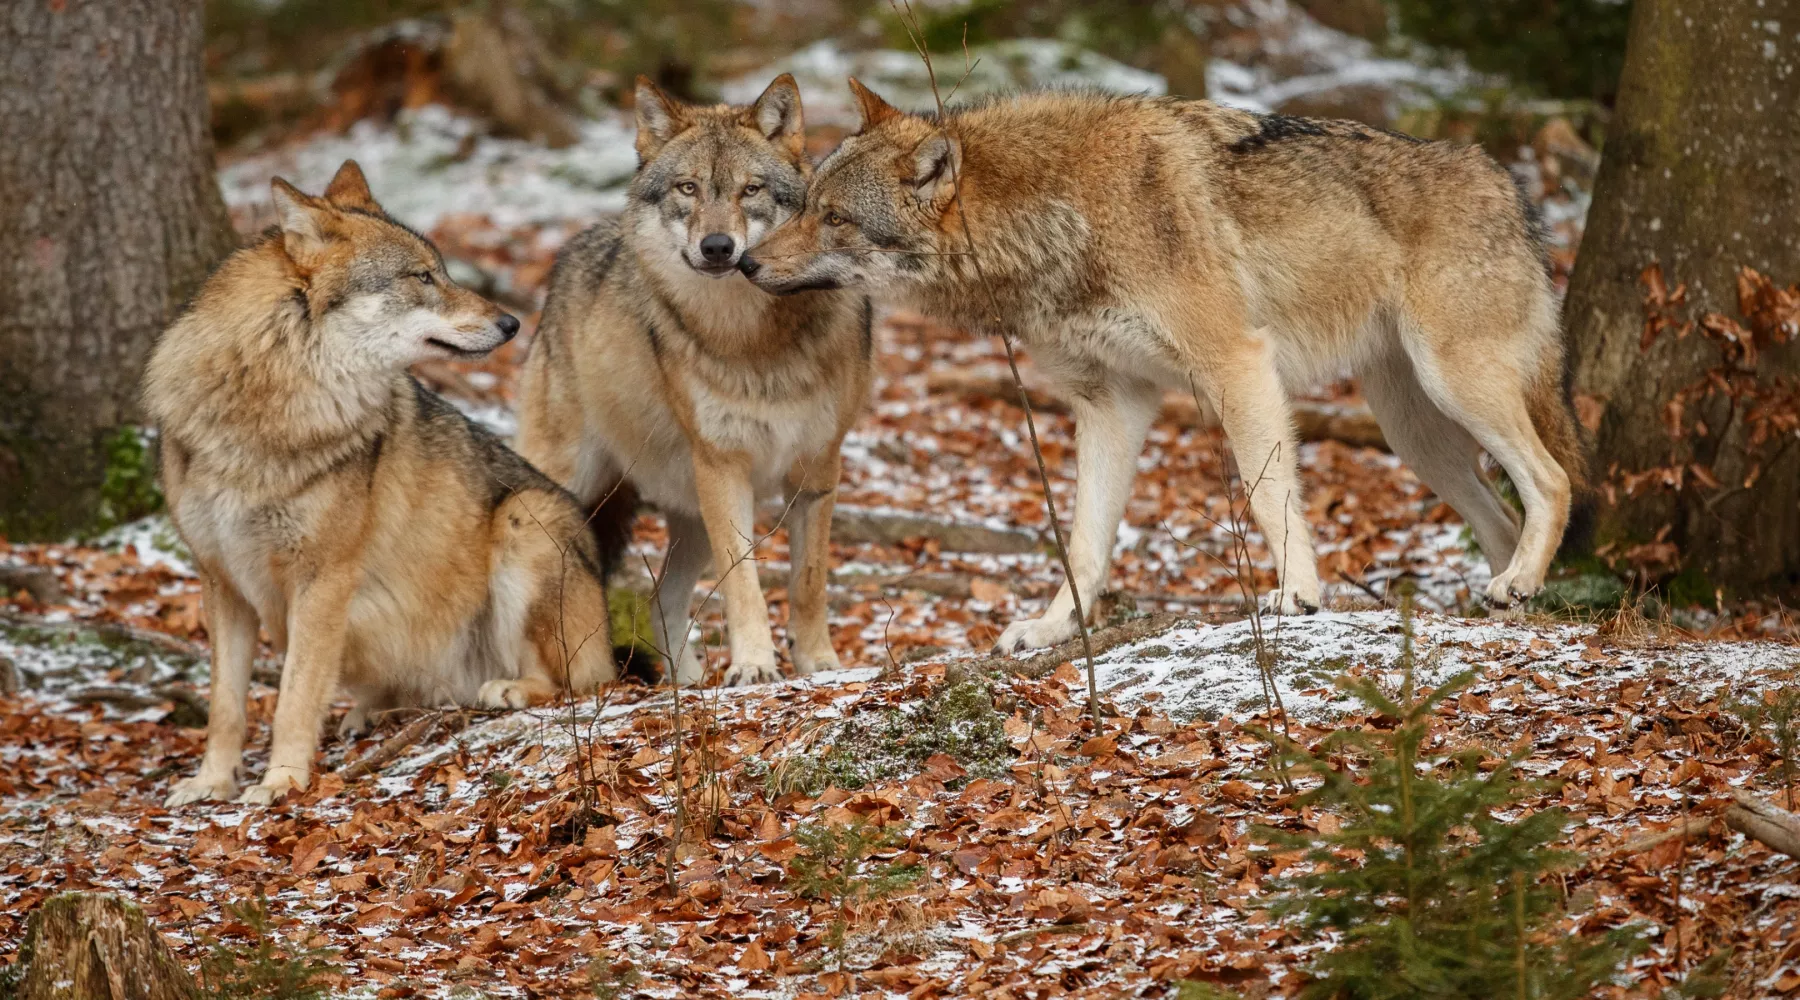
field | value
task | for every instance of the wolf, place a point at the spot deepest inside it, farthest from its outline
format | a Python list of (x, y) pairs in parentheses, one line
[(1140, 243), (382, 539), (659, 372)]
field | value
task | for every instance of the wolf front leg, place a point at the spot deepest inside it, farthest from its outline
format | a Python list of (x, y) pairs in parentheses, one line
[(1254, 411), (1109, 433), (231, 622), (814, 484), (728, 506), (318, 619)]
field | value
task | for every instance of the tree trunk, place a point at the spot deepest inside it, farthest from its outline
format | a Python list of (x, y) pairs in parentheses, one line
[(1701, 175), (93, 946), (110, 217)]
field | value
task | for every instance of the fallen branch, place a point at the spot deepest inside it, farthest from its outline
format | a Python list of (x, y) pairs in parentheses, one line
[(1692, 828), (854, 525), (1031, 932), (1765, 822), (397, 744)]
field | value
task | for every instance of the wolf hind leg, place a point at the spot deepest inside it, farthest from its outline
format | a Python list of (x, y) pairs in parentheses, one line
[(1441, 453), (1109, 434), (549, 605), (1473, 379)]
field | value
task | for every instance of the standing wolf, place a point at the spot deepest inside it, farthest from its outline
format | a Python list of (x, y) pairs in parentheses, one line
[(375, 532), (659, 366), (1140, 243)]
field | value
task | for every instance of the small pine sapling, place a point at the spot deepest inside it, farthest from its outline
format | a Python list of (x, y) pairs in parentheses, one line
[(265, 969), (834, 865), (1425, 890)]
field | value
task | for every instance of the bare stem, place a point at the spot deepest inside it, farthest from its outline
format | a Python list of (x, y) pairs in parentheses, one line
[(913, 32)]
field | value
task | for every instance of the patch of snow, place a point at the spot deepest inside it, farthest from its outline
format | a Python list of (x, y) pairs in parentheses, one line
[(156, 541), (1288, 38), (900, 77), (432, 162), (1210, 670)]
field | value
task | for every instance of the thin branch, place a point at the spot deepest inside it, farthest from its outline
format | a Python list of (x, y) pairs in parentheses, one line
[(910, 20)]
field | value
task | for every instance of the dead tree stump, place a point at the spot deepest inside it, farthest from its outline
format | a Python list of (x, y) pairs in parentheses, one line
[(96, 946)]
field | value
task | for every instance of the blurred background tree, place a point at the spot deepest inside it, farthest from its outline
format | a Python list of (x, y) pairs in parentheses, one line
[(110, 217), (1556, 48)]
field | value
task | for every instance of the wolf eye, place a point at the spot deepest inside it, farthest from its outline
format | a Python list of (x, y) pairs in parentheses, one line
[(426, 277), (834, 219), (751, 189), (687, 187)]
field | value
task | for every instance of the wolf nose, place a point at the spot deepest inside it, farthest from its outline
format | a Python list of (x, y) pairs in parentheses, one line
[(748, 265), (717, 248), (508, 324)]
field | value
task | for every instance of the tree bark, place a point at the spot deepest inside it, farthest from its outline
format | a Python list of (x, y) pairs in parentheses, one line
[(110, 217), (93, 946), (1700, 174)]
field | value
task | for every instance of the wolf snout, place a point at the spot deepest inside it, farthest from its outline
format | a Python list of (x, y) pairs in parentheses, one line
[(717, 248), (509, 326), (748, 265)]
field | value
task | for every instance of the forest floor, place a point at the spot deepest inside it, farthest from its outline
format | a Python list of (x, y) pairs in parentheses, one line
[(523, 854), (619, 846)]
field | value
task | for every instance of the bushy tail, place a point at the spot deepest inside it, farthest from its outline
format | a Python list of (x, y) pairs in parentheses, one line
[(1552, 406)]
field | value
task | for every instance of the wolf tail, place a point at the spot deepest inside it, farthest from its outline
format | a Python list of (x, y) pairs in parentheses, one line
[(611, 521), (1552, 407)]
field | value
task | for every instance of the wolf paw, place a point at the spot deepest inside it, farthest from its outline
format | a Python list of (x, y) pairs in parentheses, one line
[(355, 726), (812, 663), (1287, 602), (1036, 633), (1509, 589), (740, 674), (276, 782), (201, 788), (503, 694), (689, 671)]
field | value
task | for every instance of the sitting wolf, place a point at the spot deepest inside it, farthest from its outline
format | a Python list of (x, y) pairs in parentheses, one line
[(374, 531), (1136, 244)]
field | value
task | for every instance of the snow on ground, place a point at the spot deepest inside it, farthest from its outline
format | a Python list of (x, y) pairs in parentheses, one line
[(1209, 671), (1017, 64), (1297, 57), (431, 162)]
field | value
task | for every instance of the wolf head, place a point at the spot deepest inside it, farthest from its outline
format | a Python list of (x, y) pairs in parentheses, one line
[(875, 210), (375, 290), (712, 181)]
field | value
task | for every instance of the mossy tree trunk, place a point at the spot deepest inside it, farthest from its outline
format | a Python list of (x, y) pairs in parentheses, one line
[(94, 946), (110, 217), (1701, 175)]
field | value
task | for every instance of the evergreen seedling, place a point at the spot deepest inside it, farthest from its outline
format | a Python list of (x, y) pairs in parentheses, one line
[(1425, 889)]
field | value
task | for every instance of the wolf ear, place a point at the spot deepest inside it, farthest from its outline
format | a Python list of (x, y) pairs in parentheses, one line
[(776, 114), (937, 165), (302, 220), (874, 109), (659, 118), (350, 189)]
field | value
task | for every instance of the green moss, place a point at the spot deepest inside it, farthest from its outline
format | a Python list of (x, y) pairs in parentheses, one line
[(1691, 588), (128, 490), (1580, 585), (632, 635), (958, 720)]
